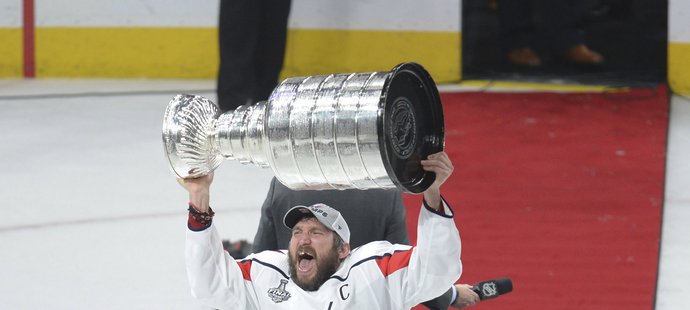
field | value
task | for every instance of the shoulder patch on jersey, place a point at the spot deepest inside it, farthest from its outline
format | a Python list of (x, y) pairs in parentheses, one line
[(276, 260), (391, 263), (246, 267)]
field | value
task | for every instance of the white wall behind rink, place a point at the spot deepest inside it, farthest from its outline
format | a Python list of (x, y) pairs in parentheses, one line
[(679, 21), (126, 13), (10, 13), (426, 15), (430, 15)]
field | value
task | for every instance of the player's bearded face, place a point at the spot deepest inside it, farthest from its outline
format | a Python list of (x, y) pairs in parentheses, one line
[(313, 254)]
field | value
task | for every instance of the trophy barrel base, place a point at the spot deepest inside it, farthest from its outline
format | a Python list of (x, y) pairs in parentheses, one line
[(412, 127)]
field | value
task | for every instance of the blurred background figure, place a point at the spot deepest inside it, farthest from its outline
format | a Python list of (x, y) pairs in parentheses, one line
[(252, 36), (558, 21)]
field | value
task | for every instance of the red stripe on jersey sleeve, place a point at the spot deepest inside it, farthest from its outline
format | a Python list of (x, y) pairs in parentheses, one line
[(395, 262), (246, 267)]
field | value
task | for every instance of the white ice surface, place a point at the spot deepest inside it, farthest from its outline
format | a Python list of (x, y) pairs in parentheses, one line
[(92, 218), (673, 289)]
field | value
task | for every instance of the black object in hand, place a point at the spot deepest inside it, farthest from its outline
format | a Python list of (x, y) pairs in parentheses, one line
[(493, 288)]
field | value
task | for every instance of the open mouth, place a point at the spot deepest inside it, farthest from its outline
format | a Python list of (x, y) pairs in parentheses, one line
[(305, 261)]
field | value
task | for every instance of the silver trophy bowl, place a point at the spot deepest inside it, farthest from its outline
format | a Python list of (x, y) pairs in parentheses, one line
[(338, 131)]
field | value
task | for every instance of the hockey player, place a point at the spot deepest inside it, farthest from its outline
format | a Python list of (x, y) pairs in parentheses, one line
[(319, 270)]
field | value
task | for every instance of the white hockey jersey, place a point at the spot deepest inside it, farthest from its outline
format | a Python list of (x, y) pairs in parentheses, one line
[(378, 275)]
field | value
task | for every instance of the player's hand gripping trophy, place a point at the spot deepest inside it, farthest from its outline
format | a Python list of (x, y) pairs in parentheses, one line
[(339, 131)]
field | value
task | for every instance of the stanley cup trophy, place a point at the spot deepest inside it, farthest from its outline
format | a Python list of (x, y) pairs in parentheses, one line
[(339, 131)]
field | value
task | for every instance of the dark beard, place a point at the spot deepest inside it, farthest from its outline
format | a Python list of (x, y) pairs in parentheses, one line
[(325, 269)]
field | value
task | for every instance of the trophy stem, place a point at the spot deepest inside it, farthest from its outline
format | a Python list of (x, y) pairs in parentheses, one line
[(239, 134)]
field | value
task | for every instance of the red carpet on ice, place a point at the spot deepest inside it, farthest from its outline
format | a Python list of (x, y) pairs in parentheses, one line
[(560, 192)]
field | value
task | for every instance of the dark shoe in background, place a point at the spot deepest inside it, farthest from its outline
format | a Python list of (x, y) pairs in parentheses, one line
[(524, 57), (581, 55)]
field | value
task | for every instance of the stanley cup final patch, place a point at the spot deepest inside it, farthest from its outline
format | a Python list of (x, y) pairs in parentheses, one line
[(279, 294)]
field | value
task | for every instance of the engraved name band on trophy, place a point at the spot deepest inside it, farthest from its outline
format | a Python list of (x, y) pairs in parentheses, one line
[(339, 131)]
